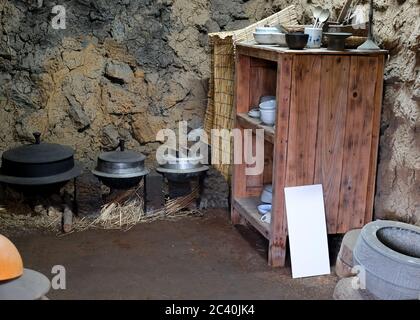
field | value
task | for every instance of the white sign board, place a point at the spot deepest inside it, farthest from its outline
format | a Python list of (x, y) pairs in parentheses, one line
[(307, 231)]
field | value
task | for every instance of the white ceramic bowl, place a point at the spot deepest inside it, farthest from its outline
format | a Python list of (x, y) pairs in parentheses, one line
[(267, 98), (264, 208), (266, 30), (263, 38), (268, 116), (267, 194), (279, 39), (254, 113), (268, 105)]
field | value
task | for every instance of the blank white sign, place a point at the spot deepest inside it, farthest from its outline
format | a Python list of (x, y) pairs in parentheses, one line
[(307, 231)]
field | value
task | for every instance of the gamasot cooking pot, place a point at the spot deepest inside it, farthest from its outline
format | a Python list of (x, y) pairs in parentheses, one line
[(38, 164), (120, 169), (180, 165)]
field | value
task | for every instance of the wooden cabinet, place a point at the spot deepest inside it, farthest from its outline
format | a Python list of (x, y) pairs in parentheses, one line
[(326, 132)]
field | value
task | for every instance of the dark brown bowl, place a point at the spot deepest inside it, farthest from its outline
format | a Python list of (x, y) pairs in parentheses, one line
[(296, 41)]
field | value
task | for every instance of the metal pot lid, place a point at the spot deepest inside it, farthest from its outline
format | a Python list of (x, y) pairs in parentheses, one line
[(199, 169), (122, 155), (120, 164), (38, 152)]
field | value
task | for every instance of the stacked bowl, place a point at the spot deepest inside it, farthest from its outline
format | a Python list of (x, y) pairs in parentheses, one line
[(269, 36), (268, 107)]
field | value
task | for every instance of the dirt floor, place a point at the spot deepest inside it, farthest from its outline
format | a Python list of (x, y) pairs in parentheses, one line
[(192, 258)]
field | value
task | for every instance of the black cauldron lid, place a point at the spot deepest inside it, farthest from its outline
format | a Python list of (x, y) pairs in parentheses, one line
[(122, 155), (38, 152)]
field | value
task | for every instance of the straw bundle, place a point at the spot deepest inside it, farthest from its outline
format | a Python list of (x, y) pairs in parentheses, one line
[(122, 212), (220, 107), (127, 211)]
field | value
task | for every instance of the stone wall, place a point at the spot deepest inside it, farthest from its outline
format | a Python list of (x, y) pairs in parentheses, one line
[(127, 68)]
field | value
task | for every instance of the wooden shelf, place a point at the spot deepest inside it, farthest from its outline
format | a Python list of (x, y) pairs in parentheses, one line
[(247, 208), (247, 122), (327, 132), (271, 52)]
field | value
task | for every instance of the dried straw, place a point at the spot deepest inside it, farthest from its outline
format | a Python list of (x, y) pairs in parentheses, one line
[(127, 211), (121, 213)]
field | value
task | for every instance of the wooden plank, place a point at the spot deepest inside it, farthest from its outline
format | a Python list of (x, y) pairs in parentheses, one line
[(268, 162), (357, 143), (251, 48), (247, 208), (262, 83), (260, 63), (254, 183), (247, 122), (257, 52), (375, 140), (303, 120), (241, 104), (277, 246), (331, 130)]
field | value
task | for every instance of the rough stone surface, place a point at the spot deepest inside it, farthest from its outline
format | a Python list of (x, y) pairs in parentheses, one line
[(129, 68)]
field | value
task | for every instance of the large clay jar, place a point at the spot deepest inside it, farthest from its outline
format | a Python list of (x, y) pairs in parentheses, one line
[(11, 265)]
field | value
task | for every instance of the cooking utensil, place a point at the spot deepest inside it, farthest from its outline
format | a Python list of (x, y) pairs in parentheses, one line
[(296, 41), (316, 12), (266, 29), (336, 40), (38, 164), (369, 44), (315, 37), (263, 38), (279, 39), (179, 171), (269, 35), (182, 165), (120, 169), (325, 14)]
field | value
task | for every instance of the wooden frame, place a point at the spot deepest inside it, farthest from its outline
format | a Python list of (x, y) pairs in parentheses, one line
[(327, 131)]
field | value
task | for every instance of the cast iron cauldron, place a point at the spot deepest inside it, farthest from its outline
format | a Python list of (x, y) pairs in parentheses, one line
[(39, 167), (120, 169)]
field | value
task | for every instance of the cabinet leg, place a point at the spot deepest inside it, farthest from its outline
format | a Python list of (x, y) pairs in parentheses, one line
[(277, 253), (235, 217)]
